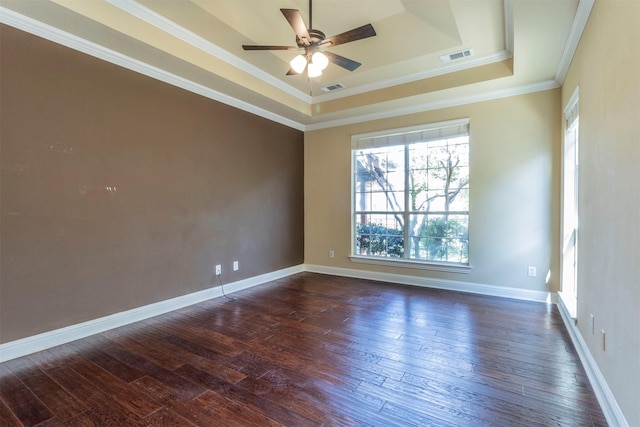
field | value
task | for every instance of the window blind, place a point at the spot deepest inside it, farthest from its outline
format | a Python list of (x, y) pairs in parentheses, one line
[(571, 111), (410, 135)]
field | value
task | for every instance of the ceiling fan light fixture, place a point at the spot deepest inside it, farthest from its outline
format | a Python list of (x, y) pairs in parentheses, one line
[(298, 63), (311, 40), (314, 70), (320, 60)]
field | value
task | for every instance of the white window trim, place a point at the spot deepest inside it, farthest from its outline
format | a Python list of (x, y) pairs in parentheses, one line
[(394, 137), (410, 263), (571, 111), (571, 115)]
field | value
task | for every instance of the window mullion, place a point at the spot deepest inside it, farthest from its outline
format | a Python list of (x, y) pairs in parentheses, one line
[(386, 161), (407, 201)]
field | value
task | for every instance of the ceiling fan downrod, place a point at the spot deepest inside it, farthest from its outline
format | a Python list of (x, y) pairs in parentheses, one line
[(311, 41)]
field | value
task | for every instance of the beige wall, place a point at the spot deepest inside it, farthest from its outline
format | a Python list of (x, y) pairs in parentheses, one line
[(192, 182), (514, 193), (197, 181), (606, 68)]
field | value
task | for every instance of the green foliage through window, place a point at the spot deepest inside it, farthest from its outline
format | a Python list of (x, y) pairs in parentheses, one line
[(411, 200), (376, 239)]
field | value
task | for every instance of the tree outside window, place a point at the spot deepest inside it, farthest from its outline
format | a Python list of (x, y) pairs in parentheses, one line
[(411, 200)]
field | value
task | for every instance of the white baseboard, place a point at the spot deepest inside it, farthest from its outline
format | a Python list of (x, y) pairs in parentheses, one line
[(607, 401), (452, 285), (22, 347)]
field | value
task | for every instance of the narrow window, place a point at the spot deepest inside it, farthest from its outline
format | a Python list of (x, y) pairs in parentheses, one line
[(570, 173)]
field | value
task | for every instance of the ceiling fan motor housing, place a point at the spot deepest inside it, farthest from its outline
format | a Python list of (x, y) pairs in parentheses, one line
[(315, 36)]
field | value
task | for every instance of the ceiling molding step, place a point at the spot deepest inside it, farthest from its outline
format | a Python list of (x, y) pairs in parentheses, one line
[(437, 105), (53, 34), (508, 25), (151, 17), (433, 72), (48, 32), (136, 9), (577, 28)]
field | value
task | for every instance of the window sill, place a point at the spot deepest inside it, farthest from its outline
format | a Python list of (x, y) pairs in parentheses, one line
[(420, 265)]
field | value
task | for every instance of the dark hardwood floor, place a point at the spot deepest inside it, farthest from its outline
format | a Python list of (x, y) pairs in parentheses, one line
[(313, 350)]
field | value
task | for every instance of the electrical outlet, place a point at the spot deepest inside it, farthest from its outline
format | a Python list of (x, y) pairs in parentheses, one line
[(218, 270), (331, 254), (236, 267), (531, 272)]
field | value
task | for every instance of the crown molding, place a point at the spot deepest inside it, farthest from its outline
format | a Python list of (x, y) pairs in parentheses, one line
[(151, 17), (508, 25), (56, 35), (141, 12), (577, 28), (466, 64), (437, 105), (409, 78), (51, 33)]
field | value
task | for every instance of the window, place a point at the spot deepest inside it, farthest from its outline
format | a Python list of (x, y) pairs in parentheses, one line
[(570, 234), (411, 195)]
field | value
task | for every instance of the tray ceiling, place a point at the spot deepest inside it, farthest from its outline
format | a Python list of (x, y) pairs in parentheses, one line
[(518, 46)]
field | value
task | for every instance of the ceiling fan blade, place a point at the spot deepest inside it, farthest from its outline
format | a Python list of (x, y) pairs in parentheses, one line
[(291, 72), (345, 63), (297, 23), (351, 35), (267, 47)]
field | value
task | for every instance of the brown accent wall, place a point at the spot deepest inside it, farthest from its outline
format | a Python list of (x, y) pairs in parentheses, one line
[(119, 190)]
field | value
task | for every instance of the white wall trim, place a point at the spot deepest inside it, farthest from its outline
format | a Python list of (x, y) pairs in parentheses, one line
[(28, 345), (157, 20), (63, 38), (427, 282), (577, 28), (437, 105), (408, 263), (508, 25), (603, 393), (465, 64), (48, 32), (32, 344)]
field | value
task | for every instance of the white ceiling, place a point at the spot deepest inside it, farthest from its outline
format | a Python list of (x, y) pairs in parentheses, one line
[(519, 46)]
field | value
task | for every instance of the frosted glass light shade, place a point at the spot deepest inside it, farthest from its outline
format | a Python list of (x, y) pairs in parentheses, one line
[(320, 60), (298, 63), (314, 70)]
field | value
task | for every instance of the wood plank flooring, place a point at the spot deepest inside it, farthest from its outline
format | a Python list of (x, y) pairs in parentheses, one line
[(314, 350)]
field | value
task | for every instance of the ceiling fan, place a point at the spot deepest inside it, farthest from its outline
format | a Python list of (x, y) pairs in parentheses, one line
[(314, 59)]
